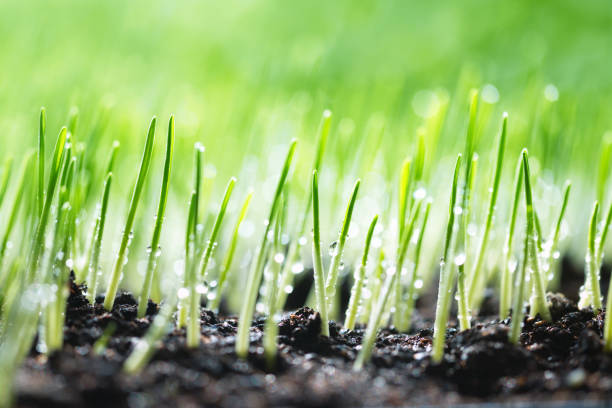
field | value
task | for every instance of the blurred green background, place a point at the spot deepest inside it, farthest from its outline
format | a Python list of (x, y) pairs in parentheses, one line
[(244, 77)]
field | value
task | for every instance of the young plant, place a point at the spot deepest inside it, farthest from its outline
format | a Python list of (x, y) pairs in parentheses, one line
[(447, 278), (212, 242), (374, 285), (554, 241), (271, 294), (381, 302), (255, 275), (477, 271), (290, 267), (355, 300), (159, 220), (518, 308), (37, 248), (190, 307), (94, 266), (317, 260), (538, 299), (229, 256), (508, 268), (337, 251), (126, 237), (590, 293), (411, 298)]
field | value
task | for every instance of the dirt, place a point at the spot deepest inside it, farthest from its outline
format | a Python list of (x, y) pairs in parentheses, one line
[(559, 360)]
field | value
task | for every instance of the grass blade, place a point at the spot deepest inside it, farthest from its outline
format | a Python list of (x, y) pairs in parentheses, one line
[(538, 301), (317, 260), (507, 270), (476, 274), (254, 280), (355, 300), (229, 256), (154, 250), (447, 279), (94, 265), (518, 308), (338, 250), (109, 299)]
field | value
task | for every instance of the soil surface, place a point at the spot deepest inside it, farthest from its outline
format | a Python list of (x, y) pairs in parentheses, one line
[(559, 360)]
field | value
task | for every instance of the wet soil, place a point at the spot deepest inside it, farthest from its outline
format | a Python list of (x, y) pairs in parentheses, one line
[(559, 360)]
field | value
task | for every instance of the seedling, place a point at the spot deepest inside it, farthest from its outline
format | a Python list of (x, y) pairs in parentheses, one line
[(154, 250), (355, 300), (317, 260), (126, 237), (447, 278), (290, 266), (254, 279)]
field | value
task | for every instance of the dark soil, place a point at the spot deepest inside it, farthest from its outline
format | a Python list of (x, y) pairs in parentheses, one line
[(561, 360)]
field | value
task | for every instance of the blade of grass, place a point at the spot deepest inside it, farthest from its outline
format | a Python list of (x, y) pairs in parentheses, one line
[(272, 279), (590, 292), (212, 242), (476, 274), (154, 251), (554, 242), (317, 261), (381, 303), (109, 299), (338, 251), (355, 300), (94, 265), (254, 279), (447, 279), (229, 256), (39, 238), (412, 288), (507, 271), (538, 303), (518, 308)]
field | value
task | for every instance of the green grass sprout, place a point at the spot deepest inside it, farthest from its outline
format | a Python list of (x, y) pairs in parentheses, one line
[(291, 266), (414, 281), (255, 275), (94, 265), (518, 308), (590, 292), (111, 292), (317, 260), (538, 301), (271, 294), (39, 237), (382, 300), (154, 251), (556, 234), (447, 278), (360, 273), (477, 271), (337, 251), (212, 242), (509, 266), (229, 256)]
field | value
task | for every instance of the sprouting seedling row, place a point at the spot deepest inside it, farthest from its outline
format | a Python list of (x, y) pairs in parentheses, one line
[(57, 200)]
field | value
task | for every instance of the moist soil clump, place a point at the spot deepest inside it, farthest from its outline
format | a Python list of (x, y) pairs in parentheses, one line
[(558, 360)]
